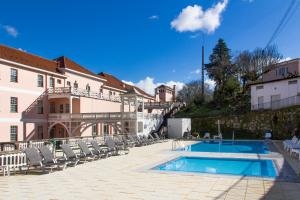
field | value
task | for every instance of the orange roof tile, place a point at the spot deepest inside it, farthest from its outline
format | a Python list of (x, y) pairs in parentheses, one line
[(25, 58)]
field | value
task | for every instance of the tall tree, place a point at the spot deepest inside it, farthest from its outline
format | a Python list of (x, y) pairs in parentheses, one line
[(220, 69)]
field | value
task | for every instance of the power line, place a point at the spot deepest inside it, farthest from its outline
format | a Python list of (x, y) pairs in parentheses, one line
[(284, 20)]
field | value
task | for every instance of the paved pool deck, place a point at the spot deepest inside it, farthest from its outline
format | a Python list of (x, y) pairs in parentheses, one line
[(128, 177)]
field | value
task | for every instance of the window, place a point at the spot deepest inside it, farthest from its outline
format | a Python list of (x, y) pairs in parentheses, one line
[(88, 88), (94, 130), (13, 133), (105, 129), (259, 87), (292, 82), (69, 83), (40, 109), (110, 93), (75, 84), (40, 81), (13, 104), (40, 132), (61, 108), (51, 82), (140, 127), (52, 108), (67, 108), (101, 90), (58, 81), (13, 75)]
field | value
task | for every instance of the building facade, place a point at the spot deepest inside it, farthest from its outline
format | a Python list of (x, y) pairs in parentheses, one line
[(42, 98), (165, 93), (279, 88)]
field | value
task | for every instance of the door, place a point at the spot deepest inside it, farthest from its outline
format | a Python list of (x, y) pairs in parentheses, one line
[(275, 101), (260, 101)]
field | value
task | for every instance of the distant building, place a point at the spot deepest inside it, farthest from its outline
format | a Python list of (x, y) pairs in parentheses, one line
[(279, 87), (165, 93)]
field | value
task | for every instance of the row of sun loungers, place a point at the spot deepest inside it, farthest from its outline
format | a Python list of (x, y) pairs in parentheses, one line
[(44, 159), (292, 146)]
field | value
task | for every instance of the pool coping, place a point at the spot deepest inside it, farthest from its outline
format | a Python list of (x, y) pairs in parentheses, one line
[(276, 157)]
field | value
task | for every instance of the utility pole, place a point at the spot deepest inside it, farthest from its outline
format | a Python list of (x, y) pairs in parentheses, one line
[(202, 73)]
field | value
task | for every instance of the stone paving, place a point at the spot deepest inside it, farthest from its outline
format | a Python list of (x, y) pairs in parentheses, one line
[(126, 177)]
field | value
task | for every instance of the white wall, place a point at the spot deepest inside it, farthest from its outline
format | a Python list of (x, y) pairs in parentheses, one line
[(177, 126), (281, 88)]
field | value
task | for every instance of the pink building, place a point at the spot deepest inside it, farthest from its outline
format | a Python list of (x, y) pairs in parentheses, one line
[(41, 98)]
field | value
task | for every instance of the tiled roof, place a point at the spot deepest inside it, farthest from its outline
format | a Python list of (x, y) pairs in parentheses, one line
[(25, 58), (165, 86), (112, 81), (68, 63), (118, 84)]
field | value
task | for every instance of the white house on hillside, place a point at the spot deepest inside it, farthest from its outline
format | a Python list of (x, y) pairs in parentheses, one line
[(279, 88)]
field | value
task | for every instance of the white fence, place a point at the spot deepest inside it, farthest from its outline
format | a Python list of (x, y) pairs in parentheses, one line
[(274, 105), (12, 161)]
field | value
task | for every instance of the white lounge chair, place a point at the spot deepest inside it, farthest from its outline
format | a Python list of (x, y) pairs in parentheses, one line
[(287, 143), (206, 136), (218, 137), (293, 146)]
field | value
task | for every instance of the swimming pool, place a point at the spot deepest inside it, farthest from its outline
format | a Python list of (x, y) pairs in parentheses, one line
[(228, 166), (229, 146)]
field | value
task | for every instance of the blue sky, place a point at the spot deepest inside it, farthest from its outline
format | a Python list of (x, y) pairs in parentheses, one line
[(134, 39)]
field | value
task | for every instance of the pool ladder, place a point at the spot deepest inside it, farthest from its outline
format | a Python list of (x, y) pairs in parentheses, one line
[(177, 143)]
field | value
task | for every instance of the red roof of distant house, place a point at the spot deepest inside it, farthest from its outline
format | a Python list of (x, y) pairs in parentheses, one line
[(25, 58)]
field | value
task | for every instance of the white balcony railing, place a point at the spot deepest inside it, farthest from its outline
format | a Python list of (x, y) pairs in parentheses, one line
[(82, 93), (90, 116), (274, 105)]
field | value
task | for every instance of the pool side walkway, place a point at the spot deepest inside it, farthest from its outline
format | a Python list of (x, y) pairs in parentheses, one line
[(121, 177)]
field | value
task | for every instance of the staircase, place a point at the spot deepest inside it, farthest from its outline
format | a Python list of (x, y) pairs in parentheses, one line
[(31, 110), (174, 108)]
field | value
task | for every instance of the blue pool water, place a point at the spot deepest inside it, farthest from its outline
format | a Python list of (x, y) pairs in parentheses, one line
[(228, 166), (228, 146)]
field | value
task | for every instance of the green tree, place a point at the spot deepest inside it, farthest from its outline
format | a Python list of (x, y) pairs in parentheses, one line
[(221, 70)]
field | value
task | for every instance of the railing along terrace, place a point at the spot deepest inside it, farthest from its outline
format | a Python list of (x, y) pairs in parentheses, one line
[(91, 116), (274, 105), (157, 104), (83, 93)]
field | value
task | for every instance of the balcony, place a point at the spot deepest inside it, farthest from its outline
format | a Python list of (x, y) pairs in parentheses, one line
[(274, 105), (78, 117), (66, 91)]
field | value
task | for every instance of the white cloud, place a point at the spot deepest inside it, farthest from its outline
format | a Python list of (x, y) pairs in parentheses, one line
[(11, 30), (148, 84), (22, 49), (128, 82), (194, 36), (197, 71), (153, 17), (193, 18), (210, 83), (285, 59)]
